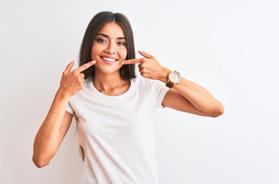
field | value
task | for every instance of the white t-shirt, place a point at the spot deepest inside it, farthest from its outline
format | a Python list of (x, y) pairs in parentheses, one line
[(117, 132)]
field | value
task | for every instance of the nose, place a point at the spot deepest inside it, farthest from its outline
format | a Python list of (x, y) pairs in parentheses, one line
[(111, 48)]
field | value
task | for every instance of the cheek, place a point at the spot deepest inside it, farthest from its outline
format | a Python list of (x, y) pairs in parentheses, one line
[(95, 50), (123, 53)]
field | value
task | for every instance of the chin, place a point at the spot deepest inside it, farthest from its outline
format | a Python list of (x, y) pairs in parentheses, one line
[(108, 69)]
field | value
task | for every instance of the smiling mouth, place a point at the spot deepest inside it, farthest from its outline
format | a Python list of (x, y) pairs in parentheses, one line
[(108, 60)]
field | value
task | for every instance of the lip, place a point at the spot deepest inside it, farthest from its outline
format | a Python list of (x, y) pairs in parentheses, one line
[(108, 57), (107, 62)]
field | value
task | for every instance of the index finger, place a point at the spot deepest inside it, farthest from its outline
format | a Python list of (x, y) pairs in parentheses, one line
[(133, 61), (85, 66)]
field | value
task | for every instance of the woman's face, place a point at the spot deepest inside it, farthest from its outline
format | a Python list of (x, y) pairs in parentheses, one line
[(109, 48)]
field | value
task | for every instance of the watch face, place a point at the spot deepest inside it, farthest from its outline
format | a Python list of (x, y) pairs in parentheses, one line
[(174, 77)]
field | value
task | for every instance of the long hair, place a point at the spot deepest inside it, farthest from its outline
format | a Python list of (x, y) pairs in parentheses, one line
[(127, 72)]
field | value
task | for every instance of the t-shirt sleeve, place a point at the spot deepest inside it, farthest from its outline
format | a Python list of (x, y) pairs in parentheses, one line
[(160, 91), (69, 108)]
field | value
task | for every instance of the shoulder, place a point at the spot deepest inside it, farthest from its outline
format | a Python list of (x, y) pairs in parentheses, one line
[(142, 82)]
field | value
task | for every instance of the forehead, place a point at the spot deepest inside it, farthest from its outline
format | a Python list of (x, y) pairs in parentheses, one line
[(112, 29)]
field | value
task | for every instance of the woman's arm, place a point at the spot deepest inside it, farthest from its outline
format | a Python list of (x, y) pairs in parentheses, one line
[(52, 130), (198, 96), (185, 96), (58, 121)]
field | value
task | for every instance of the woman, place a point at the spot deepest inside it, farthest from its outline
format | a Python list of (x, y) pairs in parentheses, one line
[(114, 108)]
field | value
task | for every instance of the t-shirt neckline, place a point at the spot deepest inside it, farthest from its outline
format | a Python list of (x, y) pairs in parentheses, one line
[(124, 95)]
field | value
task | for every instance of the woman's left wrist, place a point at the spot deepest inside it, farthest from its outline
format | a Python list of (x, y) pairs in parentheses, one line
[(164, 74)]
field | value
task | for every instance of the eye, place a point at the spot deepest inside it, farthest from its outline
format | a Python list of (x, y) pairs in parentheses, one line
[(101, 40), (122, 43)]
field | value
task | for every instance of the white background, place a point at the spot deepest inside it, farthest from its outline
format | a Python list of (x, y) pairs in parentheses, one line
[(228, 47)]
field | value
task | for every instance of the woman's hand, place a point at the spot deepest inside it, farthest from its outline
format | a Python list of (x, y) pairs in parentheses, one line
[(149, 67), (73, 81)]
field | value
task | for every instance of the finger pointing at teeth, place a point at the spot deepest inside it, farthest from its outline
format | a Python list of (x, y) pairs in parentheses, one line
[(73, 81), (149, 66), (133, 61), (85, 66)]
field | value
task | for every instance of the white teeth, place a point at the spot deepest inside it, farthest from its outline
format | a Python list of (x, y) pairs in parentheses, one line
[(109, 59)]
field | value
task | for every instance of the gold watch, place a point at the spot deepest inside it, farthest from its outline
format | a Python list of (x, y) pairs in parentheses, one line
[(173, 78)]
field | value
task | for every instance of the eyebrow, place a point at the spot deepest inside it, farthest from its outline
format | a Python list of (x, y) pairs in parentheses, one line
[(119, 38)]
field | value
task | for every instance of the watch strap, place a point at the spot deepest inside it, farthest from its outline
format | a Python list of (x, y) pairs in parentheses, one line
[(169, 84)]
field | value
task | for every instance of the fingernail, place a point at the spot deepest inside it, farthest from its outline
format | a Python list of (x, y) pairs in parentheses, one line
[(123, 62)]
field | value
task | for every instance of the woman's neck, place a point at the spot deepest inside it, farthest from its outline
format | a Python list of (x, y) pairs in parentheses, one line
[(109, 83)]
